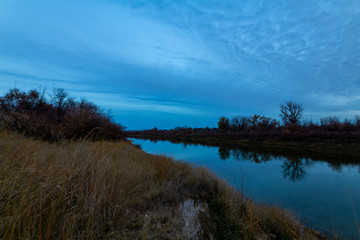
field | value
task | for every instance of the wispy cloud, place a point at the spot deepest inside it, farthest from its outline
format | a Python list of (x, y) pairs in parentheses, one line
[(142, 103), (205, 56)]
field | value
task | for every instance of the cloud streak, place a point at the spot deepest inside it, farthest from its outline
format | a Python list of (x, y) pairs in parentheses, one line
[(187, 58)]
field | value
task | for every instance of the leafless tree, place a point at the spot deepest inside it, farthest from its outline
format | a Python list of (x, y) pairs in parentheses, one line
[(357, 120), (239, 123), (291, 113), (61, 100), (223, 123), (254, 121)]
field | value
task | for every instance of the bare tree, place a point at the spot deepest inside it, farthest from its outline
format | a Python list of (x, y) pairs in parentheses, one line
[(357, 120), (291, 113), (239, 123), (223, 123), (254, 121), (61, 100)]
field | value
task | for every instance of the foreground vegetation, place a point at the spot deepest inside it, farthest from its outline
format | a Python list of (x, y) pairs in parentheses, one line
[(113, 190), (78, 185)]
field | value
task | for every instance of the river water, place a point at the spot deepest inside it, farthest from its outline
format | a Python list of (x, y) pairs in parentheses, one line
[(323, 193)]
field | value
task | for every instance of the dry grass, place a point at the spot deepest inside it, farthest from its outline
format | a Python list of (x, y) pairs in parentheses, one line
[(106, 190)]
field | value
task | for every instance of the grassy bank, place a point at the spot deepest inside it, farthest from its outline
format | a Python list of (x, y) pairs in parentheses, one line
[(113, 190)]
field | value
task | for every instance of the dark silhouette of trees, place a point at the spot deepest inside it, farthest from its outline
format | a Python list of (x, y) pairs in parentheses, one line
[(61, 100), (239, 123), (266, 123), (332, 123), (331, 120), (223, 123), (31, 114), (357, 121), (257, 128), (291, 113), (253, 121), (309, 124)]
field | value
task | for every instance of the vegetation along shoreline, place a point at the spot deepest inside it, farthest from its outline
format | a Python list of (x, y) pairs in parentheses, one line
[(68, 172), (330, 134)]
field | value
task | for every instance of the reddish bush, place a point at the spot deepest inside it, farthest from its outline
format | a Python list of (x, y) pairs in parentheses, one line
[(60, 118)]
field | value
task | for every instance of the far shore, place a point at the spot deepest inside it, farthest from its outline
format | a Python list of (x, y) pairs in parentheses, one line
[(334, 145)]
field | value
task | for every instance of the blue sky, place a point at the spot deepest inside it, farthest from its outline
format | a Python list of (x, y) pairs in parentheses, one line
[(174, 63)]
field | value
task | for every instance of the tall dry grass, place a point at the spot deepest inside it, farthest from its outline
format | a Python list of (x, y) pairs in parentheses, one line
[(107, 190)]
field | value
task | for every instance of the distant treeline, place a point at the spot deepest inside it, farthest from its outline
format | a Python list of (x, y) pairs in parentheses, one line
[(262, 128), (280, 134), (262, 123), (291, 116), (56, 117)]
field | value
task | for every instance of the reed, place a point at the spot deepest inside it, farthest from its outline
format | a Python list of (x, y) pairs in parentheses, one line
[(113, 190)]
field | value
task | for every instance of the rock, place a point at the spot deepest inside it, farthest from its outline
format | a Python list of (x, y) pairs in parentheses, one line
[(190, 214)]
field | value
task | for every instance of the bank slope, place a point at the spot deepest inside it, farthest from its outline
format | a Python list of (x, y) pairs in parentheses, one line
[(113, 190)]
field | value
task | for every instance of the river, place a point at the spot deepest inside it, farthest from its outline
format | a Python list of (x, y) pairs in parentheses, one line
[(323, 194)]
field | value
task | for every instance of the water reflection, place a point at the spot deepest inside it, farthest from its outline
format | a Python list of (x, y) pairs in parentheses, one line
[(260, 153), (295, 160), (224, 153), (293, 167), (321, 188)]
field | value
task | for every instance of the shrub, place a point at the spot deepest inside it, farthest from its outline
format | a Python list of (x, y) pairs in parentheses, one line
[(62, 117), (239, 123), (223, 123), (254, 121), (267, 123), (309, 124), (357, 121), (331, 123)]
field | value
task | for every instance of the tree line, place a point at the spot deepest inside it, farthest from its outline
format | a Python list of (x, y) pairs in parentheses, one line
[(56, 117), (291, 114)]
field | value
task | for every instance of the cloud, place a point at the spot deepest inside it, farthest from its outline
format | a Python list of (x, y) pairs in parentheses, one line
[(205, 56), (141, 103), (332, 100), (105, 30)]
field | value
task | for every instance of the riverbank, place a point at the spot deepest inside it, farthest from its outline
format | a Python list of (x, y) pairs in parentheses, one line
[(333, 146), (113, 190)]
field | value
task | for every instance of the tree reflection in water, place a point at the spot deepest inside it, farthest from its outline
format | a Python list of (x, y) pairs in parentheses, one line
[(256, 157), (239, 155), (224, 153), (293, 167)]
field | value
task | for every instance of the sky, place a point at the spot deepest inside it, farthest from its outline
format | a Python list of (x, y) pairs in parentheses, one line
[(174, 63)]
